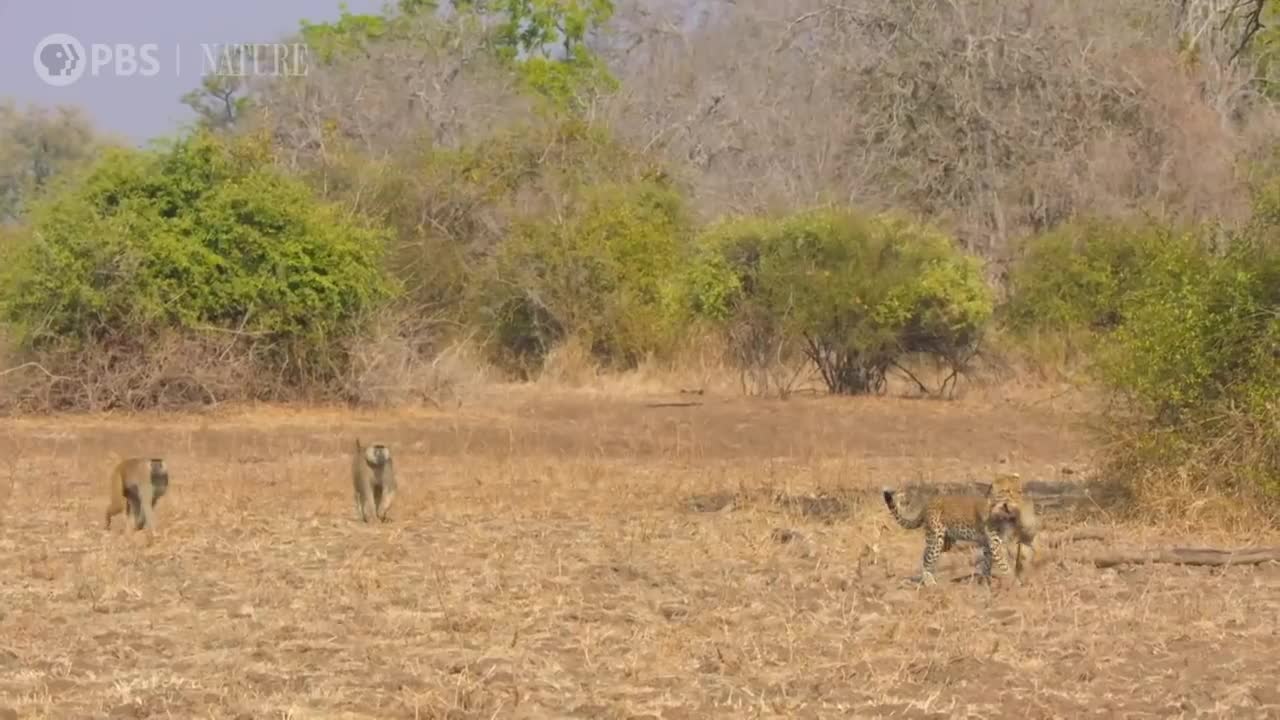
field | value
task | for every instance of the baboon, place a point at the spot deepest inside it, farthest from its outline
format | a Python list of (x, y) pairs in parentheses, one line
[(374, 477), (1018, 521), (134, 487)]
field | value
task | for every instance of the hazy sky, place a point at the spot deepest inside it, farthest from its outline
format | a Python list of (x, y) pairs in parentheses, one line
[(140, 107)]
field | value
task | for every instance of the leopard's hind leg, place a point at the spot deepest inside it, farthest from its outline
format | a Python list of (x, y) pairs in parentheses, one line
[(935, 539)]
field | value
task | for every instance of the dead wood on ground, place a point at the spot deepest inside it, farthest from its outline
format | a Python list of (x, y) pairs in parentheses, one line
[(1190, 556)]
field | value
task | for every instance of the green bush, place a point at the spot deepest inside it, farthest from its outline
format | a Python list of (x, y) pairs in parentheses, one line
[(1078, 275), (856, 292), (451, 209), (1187, 336), (604, 272), (1198, 357), (1201, 331), (203, 234)]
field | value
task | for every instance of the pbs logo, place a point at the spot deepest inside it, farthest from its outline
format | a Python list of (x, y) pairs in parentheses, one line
[(60, 59)]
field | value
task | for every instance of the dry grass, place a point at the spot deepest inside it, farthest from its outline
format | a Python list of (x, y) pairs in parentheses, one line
[(546, 560)]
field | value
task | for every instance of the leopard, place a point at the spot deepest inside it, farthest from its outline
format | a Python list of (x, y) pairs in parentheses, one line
[(951, 519)]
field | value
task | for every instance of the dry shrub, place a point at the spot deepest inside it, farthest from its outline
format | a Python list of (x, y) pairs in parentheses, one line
[(693, 367), (1213, 479), (397, 360), (768, 364), (1050, 357), (393, 362), (699, 362), (569, 364), (121, 373)]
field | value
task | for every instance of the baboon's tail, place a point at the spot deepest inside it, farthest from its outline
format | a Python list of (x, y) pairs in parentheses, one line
[(908, 523)]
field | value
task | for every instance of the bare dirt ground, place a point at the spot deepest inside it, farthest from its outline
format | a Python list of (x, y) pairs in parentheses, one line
[(565, 555)]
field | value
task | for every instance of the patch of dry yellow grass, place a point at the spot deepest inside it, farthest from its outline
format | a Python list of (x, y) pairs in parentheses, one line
[(545, 562)]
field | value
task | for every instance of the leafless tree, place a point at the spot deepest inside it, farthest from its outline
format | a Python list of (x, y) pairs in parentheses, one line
[(996, 118)]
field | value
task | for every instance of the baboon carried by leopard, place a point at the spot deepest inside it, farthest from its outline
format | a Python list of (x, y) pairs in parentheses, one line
[(1019, 523), (134, 487), (374, 479)]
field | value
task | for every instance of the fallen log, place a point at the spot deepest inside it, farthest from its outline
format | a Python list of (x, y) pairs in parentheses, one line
[(1070, 536), (685, 403), (1190, 556)]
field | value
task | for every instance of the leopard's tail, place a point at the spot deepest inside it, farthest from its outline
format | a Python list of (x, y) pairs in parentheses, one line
[(908, 523)]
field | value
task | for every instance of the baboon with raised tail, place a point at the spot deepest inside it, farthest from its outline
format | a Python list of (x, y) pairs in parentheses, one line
[(134, 487), (374, 478)]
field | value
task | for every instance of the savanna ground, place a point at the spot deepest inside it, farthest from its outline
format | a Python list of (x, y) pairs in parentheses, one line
[(596, 555)]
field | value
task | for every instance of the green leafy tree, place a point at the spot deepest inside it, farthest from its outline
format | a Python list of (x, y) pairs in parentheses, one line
[(549, 28), (857, 292), (220, 101), (204, 234), (604, 272), (350, 33), (546, 43)]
